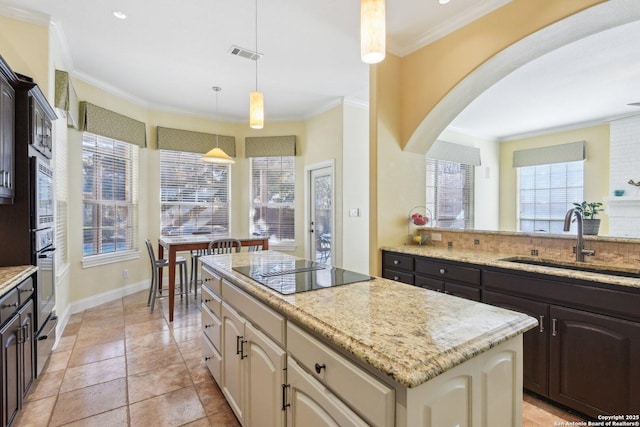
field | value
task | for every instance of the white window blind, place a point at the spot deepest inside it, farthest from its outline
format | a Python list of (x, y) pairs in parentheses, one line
[(61, 184), (273, 198), (109, 194), (450, 193), (546, 193), (194, 195)]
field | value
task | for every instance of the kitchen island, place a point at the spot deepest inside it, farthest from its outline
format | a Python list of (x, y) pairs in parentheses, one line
[(373, 352)]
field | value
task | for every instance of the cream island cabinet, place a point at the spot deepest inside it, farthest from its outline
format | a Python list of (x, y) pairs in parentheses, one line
[(374, 352)]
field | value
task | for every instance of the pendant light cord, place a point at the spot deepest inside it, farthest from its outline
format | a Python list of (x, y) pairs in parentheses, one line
[(257, 55)]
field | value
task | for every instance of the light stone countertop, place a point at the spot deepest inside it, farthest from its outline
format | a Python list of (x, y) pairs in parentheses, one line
[(494, 259), (10, 277), (408, 333)]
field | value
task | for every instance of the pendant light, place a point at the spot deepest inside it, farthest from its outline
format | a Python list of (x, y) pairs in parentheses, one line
[(256, 99), (372, 31), (217, 155)]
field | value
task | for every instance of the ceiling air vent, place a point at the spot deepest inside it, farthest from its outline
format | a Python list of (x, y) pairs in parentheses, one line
[(245, 53)]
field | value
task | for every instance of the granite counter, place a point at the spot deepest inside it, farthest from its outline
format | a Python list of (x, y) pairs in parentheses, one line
[(12, 276), (409, 334), (494, 259)]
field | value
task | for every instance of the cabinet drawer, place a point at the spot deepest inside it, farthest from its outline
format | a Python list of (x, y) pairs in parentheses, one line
[(446, 271), (211, 327), (212, 359), (429, 283), (261, 316), (211, 300), (398, 276), (212, 280), (462, 291), (9, 305), (616, 302), (369, 397), (397, 262), (25, 290)]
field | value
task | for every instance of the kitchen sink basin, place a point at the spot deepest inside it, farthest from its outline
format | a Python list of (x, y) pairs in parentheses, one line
[(577, 266)]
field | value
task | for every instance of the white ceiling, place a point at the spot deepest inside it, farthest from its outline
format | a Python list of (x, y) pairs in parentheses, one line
[(168, 54)]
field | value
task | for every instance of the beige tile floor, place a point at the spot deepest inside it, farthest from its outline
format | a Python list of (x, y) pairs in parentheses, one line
[(119, 365)]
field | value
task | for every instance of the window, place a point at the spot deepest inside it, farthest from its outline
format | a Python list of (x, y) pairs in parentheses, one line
[(109, 195), (194, 195), (546, 193), (273, 198), (450, 193)]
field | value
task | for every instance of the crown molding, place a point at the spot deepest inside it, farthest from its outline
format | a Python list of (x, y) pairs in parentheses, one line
[(25, 15), (447, 27)]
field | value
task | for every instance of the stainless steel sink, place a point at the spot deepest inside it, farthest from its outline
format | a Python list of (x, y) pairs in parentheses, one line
[(577, 266)]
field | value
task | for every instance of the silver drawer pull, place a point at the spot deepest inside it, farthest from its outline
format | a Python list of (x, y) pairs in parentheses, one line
[(26, 290), (442, 271), (554, 323), (15, 304), (541, 324), (320, 367), (396, 262), (396, 278)]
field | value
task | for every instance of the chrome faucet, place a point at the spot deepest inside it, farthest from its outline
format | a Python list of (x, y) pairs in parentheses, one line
[(580, 250)]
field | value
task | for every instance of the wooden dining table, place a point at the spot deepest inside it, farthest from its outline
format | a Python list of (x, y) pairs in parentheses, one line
[(175, 244)]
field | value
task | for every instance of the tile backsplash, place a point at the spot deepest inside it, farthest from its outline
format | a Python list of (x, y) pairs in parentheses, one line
[(610, 251)]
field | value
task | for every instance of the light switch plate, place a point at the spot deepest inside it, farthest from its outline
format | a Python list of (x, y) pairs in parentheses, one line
[(354, 212)]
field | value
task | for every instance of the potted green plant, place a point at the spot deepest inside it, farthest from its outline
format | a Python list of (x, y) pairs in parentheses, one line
[(589, 211)]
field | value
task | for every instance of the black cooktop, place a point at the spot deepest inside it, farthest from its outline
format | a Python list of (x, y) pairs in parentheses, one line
[(290, 277)]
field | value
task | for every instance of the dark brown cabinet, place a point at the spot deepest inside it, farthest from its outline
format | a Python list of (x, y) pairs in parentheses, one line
[(435, 275), (585, 352), (17, 359), (397, 267), (535, 341), (7, 135), (454, 279), (594, 362), (588, 341)]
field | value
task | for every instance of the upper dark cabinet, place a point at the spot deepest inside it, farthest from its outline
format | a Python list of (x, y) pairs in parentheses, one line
[(7, 134), (39, 113)]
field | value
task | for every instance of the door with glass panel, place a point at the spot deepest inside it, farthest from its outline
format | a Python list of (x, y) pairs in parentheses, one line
[(321, 215)]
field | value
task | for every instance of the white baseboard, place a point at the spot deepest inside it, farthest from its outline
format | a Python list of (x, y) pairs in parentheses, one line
[(94, 301)]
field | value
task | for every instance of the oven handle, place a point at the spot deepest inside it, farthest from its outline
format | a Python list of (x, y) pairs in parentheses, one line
[(53, 319), (42, 253)]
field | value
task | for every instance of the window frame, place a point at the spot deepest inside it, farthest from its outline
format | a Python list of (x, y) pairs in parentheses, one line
[(190, 162), (283, 244), (131, 201), (467, 189), (568, 203)]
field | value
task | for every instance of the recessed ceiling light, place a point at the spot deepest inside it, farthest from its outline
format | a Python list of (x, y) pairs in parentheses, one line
[(120, 15), (443, 1)]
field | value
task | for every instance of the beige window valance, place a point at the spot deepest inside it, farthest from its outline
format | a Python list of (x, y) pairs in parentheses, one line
[(194, 142), (66, 98), (103, 122), (450, 152), (562, 153), (270, 146)]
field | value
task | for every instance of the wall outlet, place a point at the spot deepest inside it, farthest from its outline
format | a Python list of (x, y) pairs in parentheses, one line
[(354, 212), (125, 273), (436, 237)]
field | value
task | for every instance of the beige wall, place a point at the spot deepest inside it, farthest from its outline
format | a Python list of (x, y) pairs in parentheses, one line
[(596, 169), (432, 71), (355, 175)]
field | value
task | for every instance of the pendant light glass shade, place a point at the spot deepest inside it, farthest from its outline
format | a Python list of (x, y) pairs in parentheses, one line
[(372, 31), (217, 156), (256, 110)]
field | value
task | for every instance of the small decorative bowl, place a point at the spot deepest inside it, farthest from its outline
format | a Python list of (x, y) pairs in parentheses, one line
[(618, 193)]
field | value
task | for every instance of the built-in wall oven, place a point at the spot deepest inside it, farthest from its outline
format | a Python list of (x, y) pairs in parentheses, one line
[(43, 233)]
